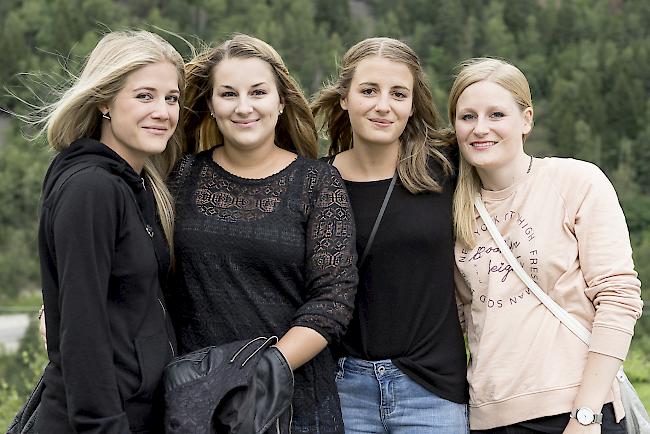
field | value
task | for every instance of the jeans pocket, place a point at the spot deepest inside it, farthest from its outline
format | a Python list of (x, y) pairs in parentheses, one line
[(340, 370)]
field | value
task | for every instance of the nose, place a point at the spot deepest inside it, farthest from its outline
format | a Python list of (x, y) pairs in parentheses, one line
[(481, 127), (383, 103), (161, 109), (243, 106)]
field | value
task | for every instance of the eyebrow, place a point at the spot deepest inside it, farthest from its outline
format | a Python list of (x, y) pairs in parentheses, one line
[(153, 89), (227, 86), (370, 83)]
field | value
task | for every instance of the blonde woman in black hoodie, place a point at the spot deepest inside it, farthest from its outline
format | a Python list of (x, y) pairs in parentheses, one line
[(105, 221)]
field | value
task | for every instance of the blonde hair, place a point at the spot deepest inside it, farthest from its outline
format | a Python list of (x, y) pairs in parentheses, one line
[(76, 113), (421, 137), (468, 187), (295, 130)]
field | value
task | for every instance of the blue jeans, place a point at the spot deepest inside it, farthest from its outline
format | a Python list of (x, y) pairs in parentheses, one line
[(376, 397)]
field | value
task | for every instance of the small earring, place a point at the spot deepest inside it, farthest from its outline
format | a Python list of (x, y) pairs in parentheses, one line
[(281, 110), (106, 116)]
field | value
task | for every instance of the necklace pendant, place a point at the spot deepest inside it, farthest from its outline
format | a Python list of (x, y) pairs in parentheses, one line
[(149, 230)]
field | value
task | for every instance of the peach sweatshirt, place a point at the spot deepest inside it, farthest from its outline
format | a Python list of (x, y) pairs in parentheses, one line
[(564, 224)]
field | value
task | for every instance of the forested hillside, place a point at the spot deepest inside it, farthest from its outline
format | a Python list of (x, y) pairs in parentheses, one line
[(588, 62)]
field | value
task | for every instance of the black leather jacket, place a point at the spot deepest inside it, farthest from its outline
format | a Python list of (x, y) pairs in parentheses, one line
[(242, 387)]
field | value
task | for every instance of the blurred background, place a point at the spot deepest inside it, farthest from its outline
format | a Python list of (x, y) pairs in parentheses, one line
[(588, 63)]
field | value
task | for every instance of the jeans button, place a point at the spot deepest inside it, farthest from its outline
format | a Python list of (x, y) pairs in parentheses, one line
[(381, 370)]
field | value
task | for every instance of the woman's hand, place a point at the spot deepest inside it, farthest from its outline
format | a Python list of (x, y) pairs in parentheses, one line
[(299, 345), (41, 325)]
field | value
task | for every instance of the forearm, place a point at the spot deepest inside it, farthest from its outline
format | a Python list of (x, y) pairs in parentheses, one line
[(597, 378), (301, 344)]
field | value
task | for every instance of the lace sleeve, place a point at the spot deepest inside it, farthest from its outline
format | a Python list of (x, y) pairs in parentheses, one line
[(331, 272), (178, 174)]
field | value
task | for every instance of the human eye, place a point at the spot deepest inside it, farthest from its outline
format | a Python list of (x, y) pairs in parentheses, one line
[(259, 92), (466, 117), (144, 96), (400, 94), (367, 91), (498, 115), (172, 99), (227, 94)]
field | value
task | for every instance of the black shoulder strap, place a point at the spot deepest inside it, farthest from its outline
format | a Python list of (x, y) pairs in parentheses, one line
[(378, 220), (380, 214)]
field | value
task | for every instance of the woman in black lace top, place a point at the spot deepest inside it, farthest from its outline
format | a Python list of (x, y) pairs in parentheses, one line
[(264, 236)]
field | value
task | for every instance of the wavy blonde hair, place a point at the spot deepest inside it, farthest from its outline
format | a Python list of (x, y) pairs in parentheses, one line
[(295, 130), (76, 113), (422, 137), (468, 187)]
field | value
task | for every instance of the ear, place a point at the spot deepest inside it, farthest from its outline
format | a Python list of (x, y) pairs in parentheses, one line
[(282, 105), (210, 108), (344, 102), (103, 108), (528, 119)]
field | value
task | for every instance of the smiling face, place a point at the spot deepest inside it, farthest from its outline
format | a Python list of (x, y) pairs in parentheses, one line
[(144, 114), (490, 127), (245, 102), (379, 101)]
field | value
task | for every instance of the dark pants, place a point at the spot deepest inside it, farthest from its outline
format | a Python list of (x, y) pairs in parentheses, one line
[(556, 425)]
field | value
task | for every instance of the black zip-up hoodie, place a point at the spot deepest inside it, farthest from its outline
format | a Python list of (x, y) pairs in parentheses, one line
[(103, 258)]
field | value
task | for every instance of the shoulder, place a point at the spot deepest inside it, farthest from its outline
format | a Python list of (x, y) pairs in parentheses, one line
[(320, 170), (573, 173), (93, 181)]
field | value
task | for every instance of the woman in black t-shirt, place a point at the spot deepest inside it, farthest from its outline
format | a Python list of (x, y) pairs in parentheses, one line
[(402, 367)]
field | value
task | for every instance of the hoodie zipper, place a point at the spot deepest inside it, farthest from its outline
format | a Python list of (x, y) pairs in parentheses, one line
[(164, 311)]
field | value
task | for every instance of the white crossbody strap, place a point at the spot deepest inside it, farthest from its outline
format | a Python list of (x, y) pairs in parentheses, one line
[(571, 323)]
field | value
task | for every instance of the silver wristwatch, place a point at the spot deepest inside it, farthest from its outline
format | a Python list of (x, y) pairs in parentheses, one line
[(586, 416)]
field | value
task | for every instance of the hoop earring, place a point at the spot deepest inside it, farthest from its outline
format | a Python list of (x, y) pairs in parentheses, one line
[(106, 116)]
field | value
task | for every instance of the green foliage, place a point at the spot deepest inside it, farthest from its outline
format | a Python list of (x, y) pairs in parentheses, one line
[(587, 62), (19, 373)]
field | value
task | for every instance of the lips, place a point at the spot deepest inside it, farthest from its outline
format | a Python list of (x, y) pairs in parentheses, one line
[(381, 122), (482, 145), (158, 130), (244, 122)]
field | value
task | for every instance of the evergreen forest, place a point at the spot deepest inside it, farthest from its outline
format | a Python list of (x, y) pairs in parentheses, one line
[(588, 63)]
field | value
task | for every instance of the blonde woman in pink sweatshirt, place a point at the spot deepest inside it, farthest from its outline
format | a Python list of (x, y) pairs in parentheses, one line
[(561, 218)]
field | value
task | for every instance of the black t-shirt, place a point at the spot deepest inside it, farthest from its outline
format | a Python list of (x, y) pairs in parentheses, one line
[(405, 308)]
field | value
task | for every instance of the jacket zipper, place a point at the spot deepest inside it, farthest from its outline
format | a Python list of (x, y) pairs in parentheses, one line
[(164, 311)]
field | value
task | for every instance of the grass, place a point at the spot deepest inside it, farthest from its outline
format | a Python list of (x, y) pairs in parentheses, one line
[(26, 301)]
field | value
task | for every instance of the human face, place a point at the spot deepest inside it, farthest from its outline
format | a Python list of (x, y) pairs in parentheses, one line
[(144, 114), (490, 127), (379, 102), (245, 102)]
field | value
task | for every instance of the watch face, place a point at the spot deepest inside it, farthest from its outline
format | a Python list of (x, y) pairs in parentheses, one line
[(585, 416)]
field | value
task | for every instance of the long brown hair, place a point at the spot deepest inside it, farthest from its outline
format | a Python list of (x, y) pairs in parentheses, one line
[(295, 130), (422, 137)]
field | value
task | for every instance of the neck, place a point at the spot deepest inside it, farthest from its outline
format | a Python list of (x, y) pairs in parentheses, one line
[(500, 178), (253, 163), (372, 162)]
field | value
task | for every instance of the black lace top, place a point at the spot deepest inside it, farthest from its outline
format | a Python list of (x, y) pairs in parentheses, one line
[(255, 257)]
